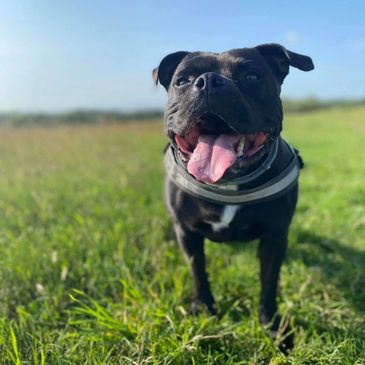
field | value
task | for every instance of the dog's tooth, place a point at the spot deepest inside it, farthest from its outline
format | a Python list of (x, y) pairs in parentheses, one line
[(240, 146)]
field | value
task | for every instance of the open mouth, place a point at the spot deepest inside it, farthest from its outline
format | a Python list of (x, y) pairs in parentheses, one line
[(211, 147)]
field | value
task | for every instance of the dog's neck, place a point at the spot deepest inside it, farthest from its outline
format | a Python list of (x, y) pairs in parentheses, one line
[(276, 174)]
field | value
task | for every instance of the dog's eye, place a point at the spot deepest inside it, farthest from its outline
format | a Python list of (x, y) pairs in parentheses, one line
[(252, 76), (181, 81)]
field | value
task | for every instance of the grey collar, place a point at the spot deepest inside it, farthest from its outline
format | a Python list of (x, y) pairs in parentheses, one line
[(234, 191)]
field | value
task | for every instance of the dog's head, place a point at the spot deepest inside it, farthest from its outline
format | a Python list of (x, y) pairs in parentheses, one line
[(224, 110)]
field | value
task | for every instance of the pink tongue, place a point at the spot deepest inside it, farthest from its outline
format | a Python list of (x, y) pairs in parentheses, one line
[(212, 156)]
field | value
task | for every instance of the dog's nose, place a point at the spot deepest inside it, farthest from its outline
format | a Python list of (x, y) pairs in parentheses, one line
[(209, 80)]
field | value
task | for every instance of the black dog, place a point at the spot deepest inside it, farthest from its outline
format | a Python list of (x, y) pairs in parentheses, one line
[(230, 176)]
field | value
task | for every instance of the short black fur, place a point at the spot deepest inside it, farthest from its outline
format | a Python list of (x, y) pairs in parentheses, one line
[(202, 82)]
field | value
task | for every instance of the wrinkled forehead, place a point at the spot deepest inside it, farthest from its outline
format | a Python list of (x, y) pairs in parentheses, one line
[(200, 62)]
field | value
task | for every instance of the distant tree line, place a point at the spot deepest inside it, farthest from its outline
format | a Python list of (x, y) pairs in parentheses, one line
[(102, 117), (77, 117), (313, 103)]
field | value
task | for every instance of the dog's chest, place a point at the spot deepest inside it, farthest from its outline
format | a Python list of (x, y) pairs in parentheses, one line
[(227, 215)]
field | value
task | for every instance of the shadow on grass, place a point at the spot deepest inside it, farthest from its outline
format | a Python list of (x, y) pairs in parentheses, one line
[(340, 264)]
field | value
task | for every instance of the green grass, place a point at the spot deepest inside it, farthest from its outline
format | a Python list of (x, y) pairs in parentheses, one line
[(90, 272)]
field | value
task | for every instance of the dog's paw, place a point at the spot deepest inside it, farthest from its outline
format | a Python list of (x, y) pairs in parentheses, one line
[(280, 332), (285, 342), (197, 307), (201, 303)]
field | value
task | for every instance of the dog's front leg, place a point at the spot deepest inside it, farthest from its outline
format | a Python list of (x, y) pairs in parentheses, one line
[(272, 251), (192, 245)]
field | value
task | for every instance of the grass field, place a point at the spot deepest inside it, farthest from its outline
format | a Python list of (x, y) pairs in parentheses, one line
[(90, 273)]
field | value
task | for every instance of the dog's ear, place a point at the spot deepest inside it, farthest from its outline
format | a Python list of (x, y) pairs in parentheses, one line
[(279, 59), (164, 72)]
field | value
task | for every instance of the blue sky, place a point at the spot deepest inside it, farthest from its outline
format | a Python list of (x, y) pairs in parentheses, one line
[(59, 55)]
